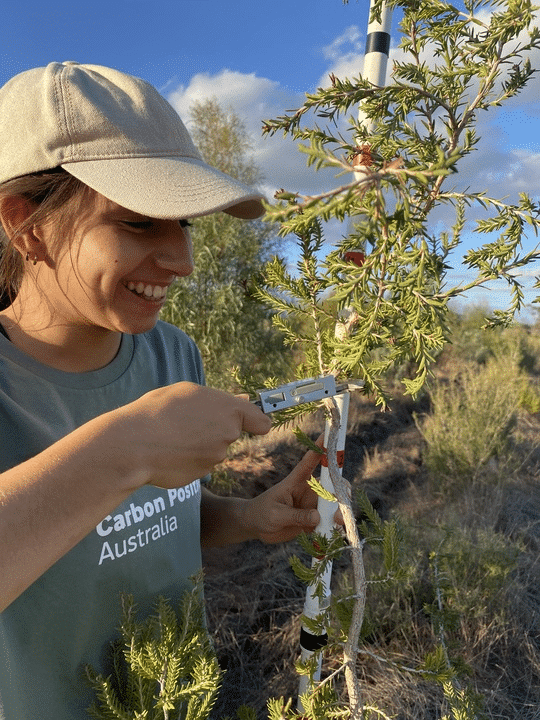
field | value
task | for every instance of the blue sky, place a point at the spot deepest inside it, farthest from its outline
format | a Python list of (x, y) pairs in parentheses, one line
[(171, 40), (258, 58)]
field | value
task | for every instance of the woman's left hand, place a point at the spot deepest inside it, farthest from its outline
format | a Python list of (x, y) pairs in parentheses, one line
[(288, 508), (277, 515)]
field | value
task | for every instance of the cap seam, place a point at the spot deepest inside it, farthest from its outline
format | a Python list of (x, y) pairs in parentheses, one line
[(67, 110), (78, 157)]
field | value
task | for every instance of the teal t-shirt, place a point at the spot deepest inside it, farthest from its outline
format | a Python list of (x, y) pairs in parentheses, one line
[(148, 546)]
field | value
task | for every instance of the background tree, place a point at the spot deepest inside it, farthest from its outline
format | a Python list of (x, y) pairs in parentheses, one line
[(215, 305)]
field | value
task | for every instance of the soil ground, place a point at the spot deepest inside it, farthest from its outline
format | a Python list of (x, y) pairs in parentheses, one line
[(254, 601), (253, 598)]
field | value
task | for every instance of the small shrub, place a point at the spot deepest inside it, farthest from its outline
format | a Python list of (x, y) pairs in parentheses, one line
[(469, 431), (473, 344), (449, 612), (529, 397), (164, 664)]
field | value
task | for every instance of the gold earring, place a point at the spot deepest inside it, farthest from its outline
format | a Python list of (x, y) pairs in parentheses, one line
[(34, 262), (27, 258)]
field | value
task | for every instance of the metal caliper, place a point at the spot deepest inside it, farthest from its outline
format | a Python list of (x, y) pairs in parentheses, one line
[(303, 391)]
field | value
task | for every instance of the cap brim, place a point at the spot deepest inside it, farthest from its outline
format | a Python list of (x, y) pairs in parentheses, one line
[(168, 188)]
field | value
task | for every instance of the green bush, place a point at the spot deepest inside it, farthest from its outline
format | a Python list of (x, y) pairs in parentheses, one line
[(454, 578), (468, 434), (471, 343), (165, 665), (529, 398)]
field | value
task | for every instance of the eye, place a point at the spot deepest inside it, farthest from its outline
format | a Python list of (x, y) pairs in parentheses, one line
[(145, 225), (138, 224)]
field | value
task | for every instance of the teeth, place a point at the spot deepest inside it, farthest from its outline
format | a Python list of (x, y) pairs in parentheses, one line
[(156, 292)]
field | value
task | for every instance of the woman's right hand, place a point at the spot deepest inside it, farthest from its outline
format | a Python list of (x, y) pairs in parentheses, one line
[(178, 433), (168, 437)]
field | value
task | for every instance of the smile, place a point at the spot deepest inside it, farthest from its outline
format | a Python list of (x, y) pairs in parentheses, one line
[(150, 292)]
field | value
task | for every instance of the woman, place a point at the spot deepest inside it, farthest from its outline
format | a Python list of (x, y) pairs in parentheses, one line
[(106, 428)]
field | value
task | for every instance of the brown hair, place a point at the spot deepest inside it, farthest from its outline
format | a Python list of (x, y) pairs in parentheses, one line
[(55, 194)]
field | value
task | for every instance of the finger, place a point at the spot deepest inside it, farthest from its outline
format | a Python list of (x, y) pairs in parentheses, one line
[(254, 421), (307, 464)]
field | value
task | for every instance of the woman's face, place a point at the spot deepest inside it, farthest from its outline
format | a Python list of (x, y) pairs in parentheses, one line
[(117, 270)]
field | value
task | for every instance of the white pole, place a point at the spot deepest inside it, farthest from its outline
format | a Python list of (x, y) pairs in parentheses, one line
[(313, 605), (375, 64)]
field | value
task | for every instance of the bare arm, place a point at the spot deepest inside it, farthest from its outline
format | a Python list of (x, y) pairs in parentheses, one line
[(168, 438), (52, 501)]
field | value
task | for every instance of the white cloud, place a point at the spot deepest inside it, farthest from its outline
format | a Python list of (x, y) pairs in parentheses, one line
[(338, 47), (533, 273), (345, 55), (246, 93), (255, 99)]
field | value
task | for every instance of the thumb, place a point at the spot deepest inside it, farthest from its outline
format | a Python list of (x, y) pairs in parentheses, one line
[(306, 519)]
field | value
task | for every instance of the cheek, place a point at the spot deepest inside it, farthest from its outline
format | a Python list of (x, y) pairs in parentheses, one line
[(86, 270), (96, 259)]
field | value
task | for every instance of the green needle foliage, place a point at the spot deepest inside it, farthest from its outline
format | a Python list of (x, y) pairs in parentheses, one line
[(469, 430), (390, 312), (418, 130), (360, 320), (165, 669)]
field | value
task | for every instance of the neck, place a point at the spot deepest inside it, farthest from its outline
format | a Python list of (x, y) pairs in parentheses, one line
[(71, 348)]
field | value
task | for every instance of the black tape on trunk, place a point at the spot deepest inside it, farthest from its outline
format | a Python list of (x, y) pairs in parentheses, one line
[(378, 42), (312, 642)]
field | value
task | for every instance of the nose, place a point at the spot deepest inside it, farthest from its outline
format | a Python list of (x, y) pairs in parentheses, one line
[(175, 252)]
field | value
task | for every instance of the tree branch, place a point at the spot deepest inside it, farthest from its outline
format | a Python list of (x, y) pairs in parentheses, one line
[(342, 493)]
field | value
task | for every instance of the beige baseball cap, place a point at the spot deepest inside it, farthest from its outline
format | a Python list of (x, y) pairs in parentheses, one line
[(117, 134)]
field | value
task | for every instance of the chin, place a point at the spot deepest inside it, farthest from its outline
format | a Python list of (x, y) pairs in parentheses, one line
[(139, 327)]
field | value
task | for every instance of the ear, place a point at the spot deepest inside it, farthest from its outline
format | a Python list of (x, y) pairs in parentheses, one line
[(14, 214)]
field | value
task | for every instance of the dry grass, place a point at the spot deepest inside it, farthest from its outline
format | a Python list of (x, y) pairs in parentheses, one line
[(253, 614), (492, 527)]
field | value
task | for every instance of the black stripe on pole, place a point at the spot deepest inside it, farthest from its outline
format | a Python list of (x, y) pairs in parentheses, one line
[(378, 42), (312, 642)]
